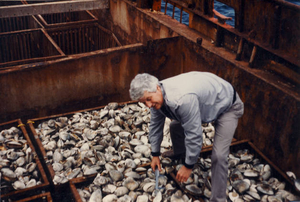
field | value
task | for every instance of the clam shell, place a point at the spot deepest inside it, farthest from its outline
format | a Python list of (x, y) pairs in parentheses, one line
[(90, 170), (177, 197), (149, 187), (241, 186), (254, 195), (73, 173), (20, 161), (110, 198), (6, 172), (140, 169), (265, 188), (57, 167), (109, 189), (96, 196), (251, 173), (130, 184), (116, 175), (274, 199), (101, 180), (130, 163), (158, 196), (31, 183), (121, 191), (14, 144), (17, 185), (135, 142), (142, 198), (141, 149), (133, 174), (20, 171), (194, 189), (115, 129), (125, 198)]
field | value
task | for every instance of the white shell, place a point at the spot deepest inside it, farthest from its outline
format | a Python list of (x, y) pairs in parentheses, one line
[(110, 198)]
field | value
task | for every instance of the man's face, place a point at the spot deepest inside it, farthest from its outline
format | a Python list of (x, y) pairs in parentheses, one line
[(153, 99)]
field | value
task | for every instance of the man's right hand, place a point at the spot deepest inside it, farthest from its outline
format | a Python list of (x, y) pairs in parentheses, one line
[(155, 163)]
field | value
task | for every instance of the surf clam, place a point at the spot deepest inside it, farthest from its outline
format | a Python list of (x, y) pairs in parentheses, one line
[(18, 169)]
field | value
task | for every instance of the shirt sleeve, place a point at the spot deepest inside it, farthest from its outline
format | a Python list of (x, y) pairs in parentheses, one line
[(190, 118), (156, 131)]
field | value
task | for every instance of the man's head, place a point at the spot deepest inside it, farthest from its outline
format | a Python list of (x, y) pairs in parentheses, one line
[(145, 88)]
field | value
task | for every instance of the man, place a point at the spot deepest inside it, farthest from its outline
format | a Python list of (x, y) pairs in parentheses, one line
[(191, 99)]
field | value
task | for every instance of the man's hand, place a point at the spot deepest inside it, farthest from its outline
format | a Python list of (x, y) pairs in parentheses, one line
[(155, 162), (183, 174)]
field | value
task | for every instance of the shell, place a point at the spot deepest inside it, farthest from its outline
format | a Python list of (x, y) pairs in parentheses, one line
[(142, 198), (110, 198), (149, 187), (96, 196), (241, 186), (194, 189), (17, 185), (116, 175), (130, 184), (121, 191)]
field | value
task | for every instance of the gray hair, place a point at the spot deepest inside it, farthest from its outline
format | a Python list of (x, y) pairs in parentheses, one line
[(141, 83)]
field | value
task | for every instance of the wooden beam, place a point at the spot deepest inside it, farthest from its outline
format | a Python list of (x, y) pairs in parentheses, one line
[(51, 7)]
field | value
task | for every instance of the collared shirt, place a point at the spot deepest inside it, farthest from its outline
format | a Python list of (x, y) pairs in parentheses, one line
[(190, 98)]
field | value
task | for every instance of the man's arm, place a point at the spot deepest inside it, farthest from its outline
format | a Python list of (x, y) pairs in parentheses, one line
[(156, 131), (190, 118)]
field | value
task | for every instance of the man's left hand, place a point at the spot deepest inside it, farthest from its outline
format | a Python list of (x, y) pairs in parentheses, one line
[(183, 174)]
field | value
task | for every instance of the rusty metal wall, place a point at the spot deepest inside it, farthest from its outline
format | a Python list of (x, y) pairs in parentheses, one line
[(25, 45), (18, 23), (78, 82), (131, 25), (275, 23), (82, 38)]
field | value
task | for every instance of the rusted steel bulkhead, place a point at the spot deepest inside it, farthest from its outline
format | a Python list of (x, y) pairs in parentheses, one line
[(82, 38), (264, 32), (26, 47)]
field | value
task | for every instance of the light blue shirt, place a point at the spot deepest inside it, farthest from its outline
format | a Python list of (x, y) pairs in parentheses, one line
[(192, 98)]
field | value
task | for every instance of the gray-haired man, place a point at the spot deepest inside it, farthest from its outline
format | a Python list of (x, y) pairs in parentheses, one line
[(191, 99)]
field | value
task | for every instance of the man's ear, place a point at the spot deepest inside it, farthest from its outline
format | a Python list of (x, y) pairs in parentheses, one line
[(158, 88)]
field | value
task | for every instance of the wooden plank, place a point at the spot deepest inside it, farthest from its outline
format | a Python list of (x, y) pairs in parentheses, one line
[(52, 7)]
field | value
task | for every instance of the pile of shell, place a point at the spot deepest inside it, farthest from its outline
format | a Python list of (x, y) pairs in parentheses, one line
[(84, 143), (113, 143), (248, 179), (131, 185), (18, 167)]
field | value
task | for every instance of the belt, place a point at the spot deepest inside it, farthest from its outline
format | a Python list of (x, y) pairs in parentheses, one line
[(234, 95)]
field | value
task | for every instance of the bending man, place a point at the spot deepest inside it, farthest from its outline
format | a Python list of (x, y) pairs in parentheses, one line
[(191, 99)]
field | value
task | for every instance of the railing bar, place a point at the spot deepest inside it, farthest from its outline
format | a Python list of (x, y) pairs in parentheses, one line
[(173, 14), (181, 14), (166, 7)]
